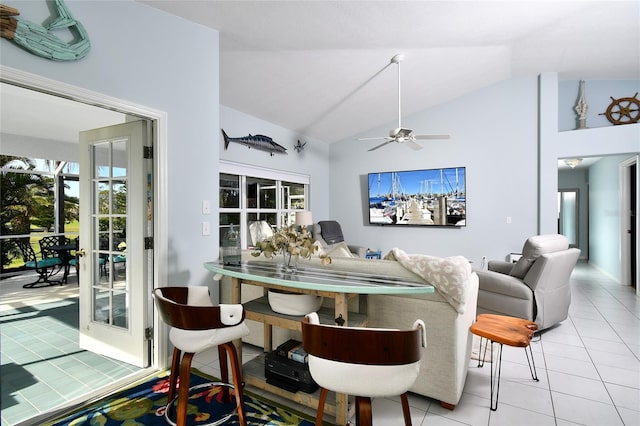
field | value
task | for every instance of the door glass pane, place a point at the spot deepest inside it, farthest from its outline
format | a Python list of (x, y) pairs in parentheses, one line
[(119, 154), (120, 313), (101, 306), (101, 160), (119, 197), (110, 289), (102, 194)]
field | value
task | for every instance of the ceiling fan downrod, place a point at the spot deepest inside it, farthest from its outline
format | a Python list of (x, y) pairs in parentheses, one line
[(396, 60)]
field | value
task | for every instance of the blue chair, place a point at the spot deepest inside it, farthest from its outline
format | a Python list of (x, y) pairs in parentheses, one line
[(44, 267)]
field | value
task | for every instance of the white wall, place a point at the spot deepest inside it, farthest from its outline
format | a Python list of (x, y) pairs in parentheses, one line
[(598, 94), (605, 215), (493, 134), (601, 141), (507, 136), (147, 57), (313, 160)]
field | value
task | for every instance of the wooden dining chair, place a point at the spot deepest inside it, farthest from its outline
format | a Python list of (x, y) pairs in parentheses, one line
[(364, 362), (197, 325)]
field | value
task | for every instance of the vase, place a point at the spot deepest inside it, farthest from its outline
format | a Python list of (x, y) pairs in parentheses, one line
[(290, 261)]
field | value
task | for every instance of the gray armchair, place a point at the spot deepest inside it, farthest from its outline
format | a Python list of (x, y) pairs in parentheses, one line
[(329, 234), (536, 287)]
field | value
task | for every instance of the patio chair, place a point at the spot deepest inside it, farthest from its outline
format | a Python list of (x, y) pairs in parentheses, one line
[(47, 242), (45, 267)]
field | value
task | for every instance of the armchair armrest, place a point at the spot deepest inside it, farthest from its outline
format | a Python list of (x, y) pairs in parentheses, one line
[(500, 266), (496, 282)]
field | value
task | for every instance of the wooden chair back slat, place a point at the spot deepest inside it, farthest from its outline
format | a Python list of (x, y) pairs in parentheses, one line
[(174, 311), (361, 345)]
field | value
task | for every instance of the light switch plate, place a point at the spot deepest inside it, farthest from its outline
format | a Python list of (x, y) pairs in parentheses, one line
[(206, 228), (206, 207)]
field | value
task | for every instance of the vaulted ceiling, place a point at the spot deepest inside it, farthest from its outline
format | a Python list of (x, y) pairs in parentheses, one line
[(322, 67)]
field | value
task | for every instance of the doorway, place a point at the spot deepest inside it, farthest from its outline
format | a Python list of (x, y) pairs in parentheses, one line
[(633, 229), (629, 222), (36, 85)]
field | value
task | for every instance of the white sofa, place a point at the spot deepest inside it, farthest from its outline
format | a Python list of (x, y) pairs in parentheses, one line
[(446, 358)]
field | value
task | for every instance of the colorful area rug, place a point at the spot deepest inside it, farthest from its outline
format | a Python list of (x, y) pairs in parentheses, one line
[(143, 405)]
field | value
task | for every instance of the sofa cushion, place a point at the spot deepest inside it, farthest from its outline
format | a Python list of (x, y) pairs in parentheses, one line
[(534, 247), (339, 250)]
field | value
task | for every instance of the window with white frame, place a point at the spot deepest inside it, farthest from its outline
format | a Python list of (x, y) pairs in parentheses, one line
[(257, 201)]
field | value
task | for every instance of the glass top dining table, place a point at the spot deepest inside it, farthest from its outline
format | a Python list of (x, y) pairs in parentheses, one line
[(310, 278), (319, 278)]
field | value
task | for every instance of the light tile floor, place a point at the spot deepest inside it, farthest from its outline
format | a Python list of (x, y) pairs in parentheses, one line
[(588, 366), (42, 366)]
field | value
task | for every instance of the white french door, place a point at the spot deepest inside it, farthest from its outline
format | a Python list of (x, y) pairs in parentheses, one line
[(115, 221)]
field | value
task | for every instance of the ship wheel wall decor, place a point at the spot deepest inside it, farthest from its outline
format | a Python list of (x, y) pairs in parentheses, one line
[(623, 110)]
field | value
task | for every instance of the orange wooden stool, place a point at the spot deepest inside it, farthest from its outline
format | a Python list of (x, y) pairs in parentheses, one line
[(504, 330)]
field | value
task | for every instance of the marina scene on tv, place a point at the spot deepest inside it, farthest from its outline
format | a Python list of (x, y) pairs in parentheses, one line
[(431, 197)]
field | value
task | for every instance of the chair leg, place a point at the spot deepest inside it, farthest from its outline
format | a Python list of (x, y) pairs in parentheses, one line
[(224, 372), (363, 411), (323, 398), (175, 372), (236, 372), (183, 389), (405, 409)]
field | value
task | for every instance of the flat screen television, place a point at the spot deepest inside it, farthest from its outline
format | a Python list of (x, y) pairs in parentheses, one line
[(430, 197)]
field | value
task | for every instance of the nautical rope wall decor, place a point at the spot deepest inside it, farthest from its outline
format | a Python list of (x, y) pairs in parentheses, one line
[(40, 40)]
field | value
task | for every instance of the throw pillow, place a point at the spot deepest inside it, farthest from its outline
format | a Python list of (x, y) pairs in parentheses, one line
[(339, 250)]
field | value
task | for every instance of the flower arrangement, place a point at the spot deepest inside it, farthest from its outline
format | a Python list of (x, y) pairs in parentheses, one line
[(291, 243)]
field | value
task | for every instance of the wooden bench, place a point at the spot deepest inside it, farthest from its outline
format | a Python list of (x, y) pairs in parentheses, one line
[(503, 330)]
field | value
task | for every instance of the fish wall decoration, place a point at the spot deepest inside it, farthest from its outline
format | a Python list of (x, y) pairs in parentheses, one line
[(42, 40), (260, 142)]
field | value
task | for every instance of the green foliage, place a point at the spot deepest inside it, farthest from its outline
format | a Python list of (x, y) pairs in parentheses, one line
[(27, 203)]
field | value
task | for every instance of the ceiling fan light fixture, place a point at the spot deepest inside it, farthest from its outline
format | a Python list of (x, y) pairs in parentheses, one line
[(573, 162)]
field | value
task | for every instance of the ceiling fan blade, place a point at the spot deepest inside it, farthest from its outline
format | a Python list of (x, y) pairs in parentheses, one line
[(381, 145), (411, 144), (374, 139), (434, 136)]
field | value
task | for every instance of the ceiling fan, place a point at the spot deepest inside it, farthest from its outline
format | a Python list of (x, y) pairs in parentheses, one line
[(400, 134)]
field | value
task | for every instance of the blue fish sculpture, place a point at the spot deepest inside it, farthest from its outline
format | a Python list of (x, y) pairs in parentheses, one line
[(261, 142)]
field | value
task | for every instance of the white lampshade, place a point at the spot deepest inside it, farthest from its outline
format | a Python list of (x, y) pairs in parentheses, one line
[(304, 218)]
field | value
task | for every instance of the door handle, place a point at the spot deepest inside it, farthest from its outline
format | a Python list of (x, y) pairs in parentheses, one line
[(81, 252)]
